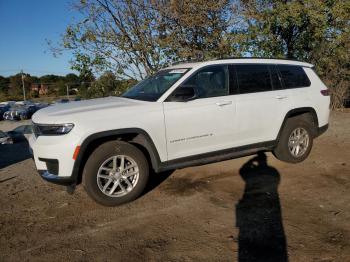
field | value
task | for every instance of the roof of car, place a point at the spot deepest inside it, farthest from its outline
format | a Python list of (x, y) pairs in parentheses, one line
[(248, 60)]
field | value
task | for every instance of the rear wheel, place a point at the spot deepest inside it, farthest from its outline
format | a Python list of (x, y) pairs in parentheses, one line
[(115, 173), (296, 140)]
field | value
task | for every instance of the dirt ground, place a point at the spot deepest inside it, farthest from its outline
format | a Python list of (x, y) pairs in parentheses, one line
[(238, 210)]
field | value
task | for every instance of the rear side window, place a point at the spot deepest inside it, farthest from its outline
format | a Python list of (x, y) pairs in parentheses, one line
[(253, 78), (293, 76)]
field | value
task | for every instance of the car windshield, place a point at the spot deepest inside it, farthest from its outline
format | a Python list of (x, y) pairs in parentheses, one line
[(153, 87)]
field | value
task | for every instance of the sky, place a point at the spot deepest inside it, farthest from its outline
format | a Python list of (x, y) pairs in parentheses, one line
[(25, 27)]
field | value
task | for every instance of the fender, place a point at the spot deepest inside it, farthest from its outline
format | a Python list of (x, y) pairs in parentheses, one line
[(139, 136), (295, 112)]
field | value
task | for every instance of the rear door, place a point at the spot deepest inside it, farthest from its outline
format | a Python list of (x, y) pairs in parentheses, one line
[(261, 104)]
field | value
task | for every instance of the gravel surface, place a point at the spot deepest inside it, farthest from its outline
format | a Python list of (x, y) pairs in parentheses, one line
[(228, 211)]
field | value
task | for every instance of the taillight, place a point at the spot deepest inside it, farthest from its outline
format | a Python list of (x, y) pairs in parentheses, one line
[(325, 92)]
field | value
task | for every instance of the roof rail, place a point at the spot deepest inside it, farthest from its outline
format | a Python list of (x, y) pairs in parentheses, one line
[(234, 57), (187, 61), (256, 57)]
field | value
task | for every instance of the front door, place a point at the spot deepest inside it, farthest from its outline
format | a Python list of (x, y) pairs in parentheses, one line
[(203, 124)]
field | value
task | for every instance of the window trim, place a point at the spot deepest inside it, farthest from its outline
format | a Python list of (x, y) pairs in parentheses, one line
[(227, 65)]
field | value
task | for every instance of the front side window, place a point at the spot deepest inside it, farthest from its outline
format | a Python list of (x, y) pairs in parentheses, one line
[(152, 88), (293, 76), (210, 81), (253, 78)]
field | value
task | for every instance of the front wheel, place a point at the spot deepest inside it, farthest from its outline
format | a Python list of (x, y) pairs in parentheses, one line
[(296, 140), (115, 173)]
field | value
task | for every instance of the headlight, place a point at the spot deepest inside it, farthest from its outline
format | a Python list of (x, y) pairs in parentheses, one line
[(52, 130)]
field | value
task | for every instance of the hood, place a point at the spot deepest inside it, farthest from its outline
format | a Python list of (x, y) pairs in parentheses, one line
[(72, 110)]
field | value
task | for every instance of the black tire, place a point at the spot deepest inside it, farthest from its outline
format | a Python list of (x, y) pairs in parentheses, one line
[(282, 151), (98, 157)]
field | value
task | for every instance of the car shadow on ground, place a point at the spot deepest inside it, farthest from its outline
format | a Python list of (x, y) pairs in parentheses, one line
[(258, 214), (155, 179), (13, 153)]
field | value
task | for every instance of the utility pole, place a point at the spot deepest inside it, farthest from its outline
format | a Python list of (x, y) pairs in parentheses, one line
[(24, 90), (67, 86)]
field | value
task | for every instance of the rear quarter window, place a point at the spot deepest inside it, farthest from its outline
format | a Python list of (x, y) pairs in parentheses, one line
[(293, 76)]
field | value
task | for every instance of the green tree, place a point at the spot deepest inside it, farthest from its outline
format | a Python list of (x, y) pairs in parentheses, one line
[(61, 87), (103, 86), (123, 85), (108, 85), (315, 31), (72, 79), (16, 87), (4, 84), (49, 79), (194, 29), (86, 77), (136, 38)]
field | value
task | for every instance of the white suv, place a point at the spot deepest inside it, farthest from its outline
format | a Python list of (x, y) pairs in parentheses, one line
[(185, 115)]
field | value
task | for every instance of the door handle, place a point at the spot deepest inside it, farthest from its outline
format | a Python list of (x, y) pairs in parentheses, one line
[(223, 103), (281, 97)]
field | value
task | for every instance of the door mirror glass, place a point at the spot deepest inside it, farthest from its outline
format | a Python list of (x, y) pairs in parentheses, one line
[(183, 93)]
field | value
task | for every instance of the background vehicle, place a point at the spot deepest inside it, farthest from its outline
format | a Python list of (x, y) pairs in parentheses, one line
[(187, 114), (23, 103), (22, 110), (7, 103), (21, 133), (5, 138), (3, 109), (19, 113)]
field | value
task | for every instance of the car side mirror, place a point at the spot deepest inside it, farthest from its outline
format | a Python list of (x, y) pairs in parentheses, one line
[(183, 93)]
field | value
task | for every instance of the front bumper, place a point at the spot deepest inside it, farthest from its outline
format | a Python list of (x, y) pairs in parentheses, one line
[(53, 157), (64, 181)]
